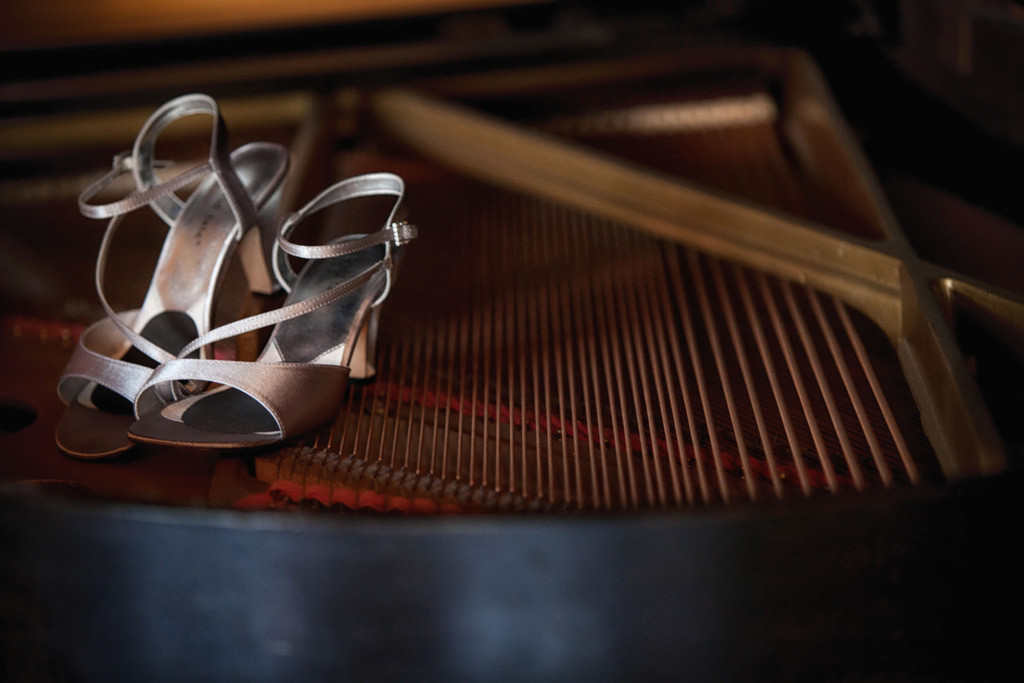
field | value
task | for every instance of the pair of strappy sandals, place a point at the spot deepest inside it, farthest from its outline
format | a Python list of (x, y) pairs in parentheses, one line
[(148, 375)]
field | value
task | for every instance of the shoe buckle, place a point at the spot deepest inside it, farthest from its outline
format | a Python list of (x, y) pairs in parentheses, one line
[(123, 161), (403, 232)]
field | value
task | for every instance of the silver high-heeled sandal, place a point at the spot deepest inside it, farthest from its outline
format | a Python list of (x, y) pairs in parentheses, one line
[(324, 336), (235, 205)]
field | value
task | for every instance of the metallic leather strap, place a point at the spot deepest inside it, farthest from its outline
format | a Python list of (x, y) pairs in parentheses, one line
[(394, 233), (123, 163), (159, 195), (279, 387), (289, 312), (93, 361), (168, 207), (152, 350)]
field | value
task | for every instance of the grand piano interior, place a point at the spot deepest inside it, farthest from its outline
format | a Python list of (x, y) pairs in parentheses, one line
[(708, 363)]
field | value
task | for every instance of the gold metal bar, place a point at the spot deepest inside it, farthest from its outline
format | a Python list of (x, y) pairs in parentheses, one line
[(851, 389), (617, 391), (475, 400), (452, 344), (683, 389), (697, 364), (861, 271), (568, 333), (883, 404), (952, 408), (807, 340), (536, 355), (417, 367), (524, 365), (642, 331), (768, 363), (401, 381), (429, 364), (669, 413), (507, 334), (588, 374), (439, 432), (724, 299), (798, 382), (717, 352), (555, 343)]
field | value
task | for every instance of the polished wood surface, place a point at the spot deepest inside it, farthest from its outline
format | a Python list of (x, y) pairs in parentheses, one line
[(47, 23)]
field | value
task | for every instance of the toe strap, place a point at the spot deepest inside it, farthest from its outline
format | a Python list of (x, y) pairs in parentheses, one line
[(93, 360), (299, 396)]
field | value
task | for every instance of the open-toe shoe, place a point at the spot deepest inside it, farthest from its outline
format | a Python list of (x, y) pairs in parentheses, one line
[(235, 205), (324, 336)]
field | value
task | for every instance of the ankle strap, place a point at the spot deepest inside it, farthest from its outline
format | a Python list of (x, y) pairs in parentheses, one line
[(124, 163), (159, 195), (395, 232)]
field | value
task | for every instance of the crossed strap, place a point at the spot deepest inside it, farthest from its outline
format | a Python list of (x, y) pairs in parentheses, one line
[(280, 386), (92, 358), (93, 361)]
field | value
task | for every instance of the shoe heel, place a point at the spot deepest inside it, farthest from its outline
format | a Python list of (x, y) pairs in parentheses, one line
[(362, 367), (256, 264)]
